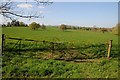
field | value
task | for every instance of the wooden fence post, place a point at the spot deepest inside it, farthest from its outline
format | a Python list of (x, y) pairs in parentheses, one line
[(109, 49), (3, 42)]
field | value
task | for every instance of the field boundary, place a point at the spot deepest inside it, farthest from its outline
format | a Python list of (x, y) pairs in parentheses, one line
[(52, 47)]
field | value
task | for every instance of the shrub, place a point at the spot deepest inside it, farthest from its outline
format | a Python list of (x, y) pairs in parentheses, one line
[(63, 27), (34, 26), (22, 24), (116, 29), (103, 30)]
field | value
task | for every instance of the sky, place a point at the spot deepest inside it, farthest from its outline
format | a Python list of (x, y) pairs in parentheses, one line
[(69, 0), (101, 14)]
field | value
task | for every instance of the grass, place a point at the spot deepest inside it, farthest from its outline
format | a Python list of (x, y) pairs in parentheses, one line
[(30, 64), (19, 67), (55, 34)]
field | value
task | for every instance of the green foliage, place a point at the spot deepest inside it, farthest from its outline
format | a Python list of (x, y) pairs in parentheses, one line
[(63, 27), (43, 26), (103, 30), (116, 29), (34, 26), (21, 23), (37, 68), (9, 24), (14, 23)]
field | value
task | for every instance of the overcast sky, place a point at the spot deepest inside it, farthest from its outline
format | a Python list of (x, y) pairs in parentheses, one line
[(101, 14)]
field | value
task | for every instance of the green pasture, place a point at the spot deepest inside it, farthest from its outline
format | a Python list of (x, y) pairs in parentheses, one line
[(55, 34), (29, 64)]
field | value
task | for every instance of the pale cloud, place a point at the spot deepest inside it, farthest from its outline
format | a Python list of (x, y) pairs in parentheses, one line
[(24, 6), (41, 7), (41, 12), (3, 20)]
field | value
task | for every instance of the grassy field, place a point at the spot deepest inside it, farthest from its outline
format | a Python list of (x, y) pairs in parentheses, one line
[(55, 34), (29, 64)]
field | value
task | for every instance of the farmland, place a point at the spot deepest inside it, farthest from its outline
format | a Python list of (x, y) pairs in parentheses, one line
[(31, 64), (55, 34)]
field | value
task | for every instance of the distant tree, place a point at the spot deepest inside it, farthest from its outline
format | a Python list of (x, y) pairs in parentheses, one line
[(74, 28), (15, 23), (78, 27), (109, 29), (94, 28), (63, 27), (8, 24), (43, 26), (103, 30), (116, 29), (3, 25), (34, 26), (89, 29), (26, 25), (69, 27), (21, 23)]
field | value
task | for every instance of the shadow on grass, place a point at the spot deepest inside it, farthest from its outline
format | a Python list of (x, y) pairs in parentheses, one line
[(90, 51)]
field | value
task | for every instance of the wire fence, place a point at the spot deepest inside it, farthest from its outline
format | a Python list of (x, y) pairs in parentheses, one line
[(59, 49)]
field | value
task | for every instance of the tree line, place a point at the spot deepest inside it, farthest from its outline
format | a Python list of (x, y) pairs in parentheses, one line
[(94, 28), (14, 23), (34, 26)]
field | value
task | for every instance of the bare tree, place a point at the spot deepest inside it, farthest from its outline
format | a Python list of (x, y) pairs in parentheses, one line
[(7, 9)]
